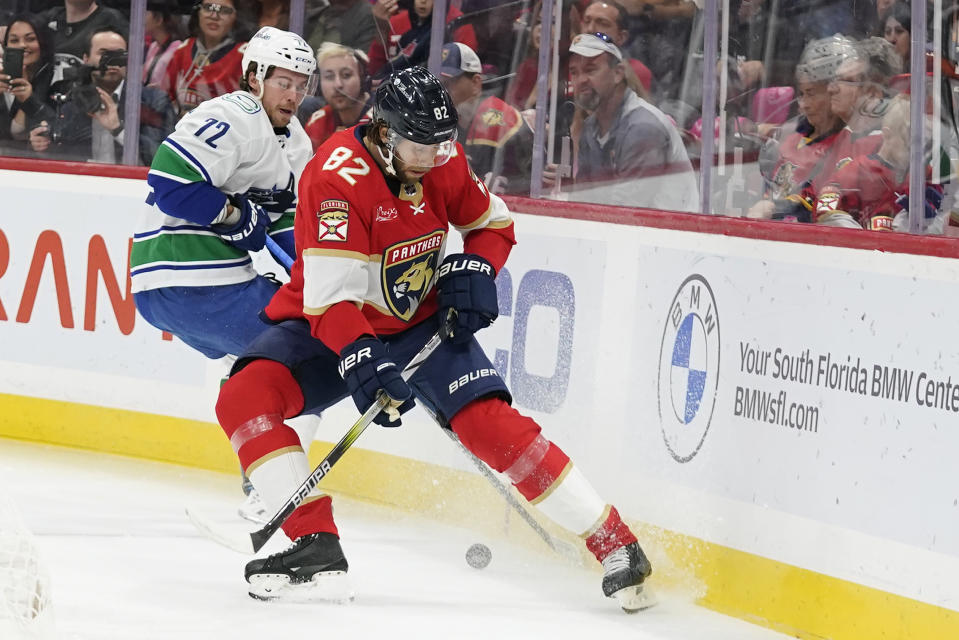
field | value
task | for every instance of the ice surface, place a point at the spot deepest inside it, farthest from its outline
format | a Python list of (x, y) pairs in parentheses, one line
[(127, 564)]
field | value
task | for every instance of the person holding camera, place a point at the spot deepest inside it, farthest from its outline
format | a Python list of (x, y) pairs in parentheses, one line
[(25, 77), (89, 122)]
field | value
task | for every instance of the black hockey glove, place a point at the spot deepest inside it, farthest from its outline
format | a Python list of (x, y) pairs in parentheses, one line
[(249, 233), (366, 367), (466, 294)]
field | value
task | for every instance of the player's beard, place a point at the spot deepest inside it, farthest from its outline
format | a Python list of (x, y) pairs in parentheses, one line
[(404, 172)]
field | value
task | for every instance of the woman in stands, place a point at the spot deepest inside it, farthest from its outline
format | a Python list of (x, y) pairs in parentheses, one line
[(24, 95), (165, 34), (206, 65), (897, 28)]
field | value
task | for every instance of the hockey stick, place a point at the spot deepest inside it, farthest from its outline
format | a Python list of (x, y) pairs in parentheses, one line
[(563, 548), (254, 541), (279, 254)]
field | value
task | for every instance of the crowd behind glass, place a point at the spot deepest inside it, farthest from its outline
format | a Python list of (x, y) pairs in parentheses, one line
[(812, 117)]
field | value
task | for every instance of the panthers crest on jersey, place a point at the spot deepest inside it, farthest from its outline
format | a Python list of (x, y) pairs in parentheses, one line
[(366, 238)]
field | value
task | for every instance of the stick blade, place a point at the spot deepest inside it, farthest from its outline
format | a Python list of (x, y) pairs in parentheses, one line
[(240, 542)]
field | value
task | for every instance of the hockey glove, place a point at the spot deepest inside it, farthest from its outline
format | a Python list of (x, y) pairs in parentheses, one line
[(466, 294), (931, 204), (367, 368), (249, 233)]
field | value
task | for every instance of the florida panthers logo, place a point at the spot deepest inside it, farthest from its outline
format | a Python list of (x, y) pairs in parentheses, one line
[(407, 275), (784, 182)]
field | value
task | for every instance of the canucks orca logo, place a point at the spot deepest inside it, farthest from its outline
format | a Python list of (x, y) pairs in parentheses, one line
[(408, 270), (689, 368)]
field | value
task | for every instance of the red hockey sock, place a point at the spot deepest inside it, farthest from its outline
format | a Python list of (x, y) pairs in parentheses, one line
[(311, 517), (511, 443), (494, 431), (262, 388), (251, 408), (610, 535)]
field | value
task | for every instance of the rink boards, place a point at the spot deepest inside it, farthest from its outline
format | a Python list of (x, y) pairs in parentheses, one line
[(780, 419)]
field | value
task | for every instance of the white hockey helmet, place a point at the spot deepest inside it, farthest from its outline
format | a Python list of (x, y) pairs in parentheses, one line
[(821, 58), (272, 47)]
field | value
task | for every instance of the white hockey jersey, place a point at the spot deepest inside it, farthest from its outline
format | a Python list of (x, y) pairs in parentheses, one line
[(225, 146)]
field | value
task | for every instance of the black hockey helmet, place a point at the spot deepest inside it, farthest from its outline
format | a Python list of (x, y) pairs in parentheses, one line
[(414, 103)]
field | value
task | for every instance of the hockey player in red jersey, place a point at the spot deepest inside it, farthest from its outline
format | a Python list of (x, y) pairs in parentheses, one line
[(369, 286)]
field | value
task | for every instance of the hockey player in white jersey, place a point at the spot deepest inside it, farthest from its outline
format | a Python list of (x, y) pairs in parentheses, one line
[(222, 182)]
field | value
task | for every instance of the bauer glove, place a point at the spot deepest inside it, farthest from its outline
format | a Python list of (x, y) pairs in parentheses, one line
[(466, 295), (367, 368), (249, 233)]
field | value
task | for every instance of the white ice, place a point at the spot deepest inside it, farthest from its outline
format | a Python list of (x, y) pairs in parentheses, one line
[(127, 564)]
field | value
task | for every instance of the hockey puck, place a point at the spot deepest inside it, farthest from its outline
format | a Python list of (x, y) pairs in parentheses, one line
[(478, 556)]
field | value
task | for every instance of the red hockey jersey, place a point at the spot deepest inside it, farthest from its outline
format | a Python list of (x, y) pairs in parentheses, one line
[(866, 188), (800, 158), (368, 247)]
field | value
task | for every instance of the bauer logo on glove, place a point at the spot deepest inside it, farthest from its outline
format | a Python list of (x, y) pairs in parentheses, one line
[(368, 370), (466, 295)]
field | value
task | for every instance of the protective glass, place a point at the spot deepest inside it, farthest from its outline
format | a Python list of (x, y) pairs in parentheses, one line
[(414, 154), (304, 86)]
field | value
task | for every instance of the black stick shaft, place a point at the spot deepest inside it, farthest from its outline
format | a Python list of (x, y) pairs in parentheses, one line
[(260, 536)]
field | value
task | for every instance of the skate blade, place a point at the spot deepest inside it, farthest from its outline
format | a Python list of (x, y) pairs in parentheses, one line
[(329, 586), (636, 598)]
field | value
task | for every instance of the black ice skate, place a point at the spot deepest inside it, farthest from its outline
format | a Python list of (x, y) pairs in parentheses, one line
[(626, 570), (312, 570)]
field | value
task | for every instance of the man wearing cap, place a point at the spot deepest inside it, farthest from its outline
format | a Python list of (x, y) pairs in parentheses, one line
[(611, 18), (624, 138), (496, 138)]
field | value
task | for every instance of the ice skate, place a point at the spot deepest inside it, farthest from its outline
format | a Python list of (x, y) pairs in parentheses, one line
[(312, 570), (253, 508), (626, 571)]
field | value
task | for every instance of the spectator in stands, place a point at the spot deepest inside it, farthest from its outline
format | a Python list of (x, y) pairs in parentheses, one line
[(496, 138), (859, 95), (495, 25), (661, 36), (624, 138), (164, 30), (791, 164), (207, 64), (897, 26), (345, 86), (871, 191), (609, 17), (271, 13), (24, 99), (346, 22), (90, 124), (520, 93), (404, 41), (74, 22), (882, 8)]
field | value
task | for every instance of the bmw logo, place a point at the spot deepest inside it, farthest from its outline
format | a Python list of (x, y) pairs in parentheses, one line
[(689, 368)]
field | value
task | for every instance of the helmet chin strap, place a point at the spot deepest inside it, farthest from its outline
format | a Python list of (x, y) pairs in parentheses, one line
[(261, 72), (387, 158)]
